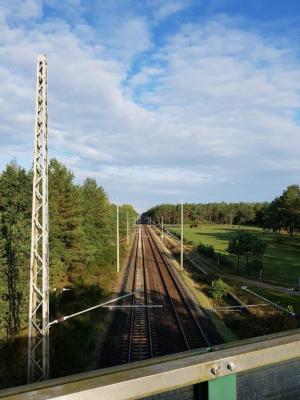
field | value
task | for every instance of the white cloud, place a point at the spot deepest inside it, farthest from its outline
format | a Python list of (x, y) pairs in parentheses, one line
[(214, 105), (29, 9), (166, 8), (144, 76), (223, 86), (139, 174), (281, 164), (125, 38), (21, 10)]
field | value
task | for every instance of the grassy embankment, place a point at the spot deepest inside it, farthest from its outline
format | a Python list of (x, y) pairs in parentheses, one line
[(281, 261), (231, 324), (281, 264), (201, 293)]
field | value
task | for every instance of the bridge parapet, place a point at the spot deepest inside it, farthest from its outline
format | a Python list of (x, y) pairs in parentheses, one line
[(266, 367)]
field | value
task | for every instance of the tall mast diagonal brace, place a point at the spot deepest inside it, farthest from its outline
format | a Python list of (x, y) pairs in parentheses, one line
[(38, 324)]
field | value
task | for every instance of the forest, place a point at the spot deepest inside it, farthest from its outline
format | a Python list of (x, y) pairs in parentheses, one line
[(82, 224), (283, 213)]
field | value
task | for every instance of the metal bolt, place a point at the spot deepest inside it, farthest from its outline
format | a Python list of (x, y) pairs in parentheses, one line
[(216, 369), (231, 366)]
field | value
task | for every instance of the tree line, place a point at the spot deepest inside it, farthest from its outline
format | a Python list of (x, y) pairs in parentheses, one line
[(283, 213), (197, 214), (82, 224)]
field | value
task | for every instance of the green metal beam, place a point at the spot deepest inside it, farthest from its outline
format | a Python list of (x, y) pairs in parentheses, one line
[(223, 388)]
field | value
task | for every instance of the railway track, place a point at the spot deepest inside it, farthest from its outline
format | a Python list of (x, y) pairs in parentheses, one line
[(187, 324), (171, 327), (140, 337), (160, 317)]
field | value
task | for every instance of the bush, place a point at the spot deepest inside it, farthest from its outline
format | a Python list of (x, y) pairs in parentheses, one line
[(219, 289), (208, 251), (177, 234)]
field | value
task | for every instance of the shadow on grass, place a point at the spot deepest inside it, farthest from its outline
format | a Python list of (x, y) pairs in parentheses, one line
[(229, 233)]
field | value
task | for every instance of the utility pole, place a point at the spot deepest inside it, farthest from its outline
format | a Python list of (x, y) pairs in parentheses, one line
[(38, 323), (118, 241), (181, 239), (162, 228), (127, 228)]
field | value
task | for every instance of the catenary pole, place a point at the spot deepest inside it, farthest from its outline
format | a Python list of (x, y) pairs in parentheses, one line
[(38, 321)]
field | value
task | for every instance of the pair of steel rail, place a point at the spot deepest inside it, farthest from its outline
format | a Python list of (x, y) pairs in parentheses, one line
[(150, 265)]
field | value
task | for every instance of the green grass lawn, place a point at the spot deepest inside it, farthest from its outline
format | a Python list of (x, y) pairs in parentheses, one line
[(281, 260)]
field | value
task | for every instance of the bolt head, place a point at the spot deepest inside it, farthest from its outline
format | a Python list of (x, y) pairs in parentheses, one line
[(231, 366), (216, 369)]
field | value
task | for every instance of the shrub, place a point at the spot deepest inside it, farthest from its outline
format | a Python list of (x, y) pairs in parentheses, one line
[(219, 289), (208, 251)]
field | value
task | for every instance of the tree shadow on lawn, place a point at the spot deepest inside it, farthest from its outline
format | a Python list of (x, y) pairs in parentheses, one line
[(218, 235), (226, 236), (290, 260), (271, 238)]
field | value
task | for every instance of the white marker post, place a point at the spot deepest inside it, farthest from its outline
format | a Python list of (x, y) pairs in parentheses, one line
[(118, 241), (181, 239), (127, 229)]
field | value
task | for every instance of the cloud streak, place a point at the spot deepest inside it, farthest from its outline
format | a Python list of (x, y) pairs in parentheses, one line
[(203, 115)]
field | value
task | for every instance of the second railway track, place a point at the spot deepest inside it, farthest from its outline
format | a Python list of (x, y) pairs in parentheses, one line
[(183, 321)]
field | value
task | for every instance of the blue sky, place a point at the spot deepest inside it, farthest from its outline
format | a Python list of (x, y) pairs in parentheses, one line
[(158, 100)]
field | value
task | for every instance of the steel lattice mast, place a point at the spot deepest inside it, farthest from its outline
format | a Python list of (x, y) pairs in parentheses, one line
[(38, 330)]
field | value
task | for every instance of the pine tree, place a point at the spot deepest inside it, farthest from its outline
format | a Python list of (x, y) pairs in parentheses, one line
[(66, 255)]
